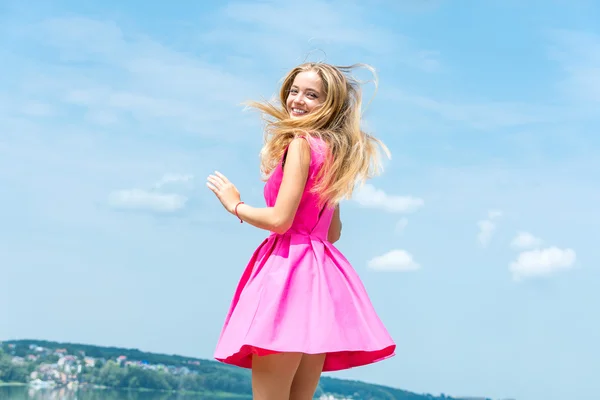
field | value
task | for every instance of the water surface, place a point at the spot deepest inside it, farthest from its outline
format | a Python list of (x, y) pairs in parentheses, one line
[(26, 393)]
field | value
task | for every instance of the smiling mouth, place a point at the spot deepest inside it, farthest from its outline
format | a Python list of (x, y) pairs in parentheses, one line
[(297, 111)]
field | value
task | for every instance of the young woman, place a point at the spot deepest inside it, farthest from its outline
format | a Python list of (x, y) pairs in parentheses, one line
[(300, 308)]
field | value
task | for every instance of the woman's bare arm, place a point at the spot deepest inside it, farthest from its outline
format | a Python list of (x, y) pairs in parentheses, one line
[(280, 217)]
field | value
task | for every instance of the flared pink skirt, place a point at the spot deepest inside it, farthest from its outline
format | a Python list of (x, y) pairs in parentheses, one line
[(300, 294)]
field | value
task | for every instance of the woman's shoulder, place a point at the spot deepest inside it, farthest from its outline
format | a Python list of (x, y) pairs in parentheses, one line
[(317, 146), (318, 149)]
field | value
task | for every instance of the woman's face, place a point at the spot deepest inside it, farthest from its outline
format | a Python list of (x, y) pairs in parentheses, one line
[(305, 95)]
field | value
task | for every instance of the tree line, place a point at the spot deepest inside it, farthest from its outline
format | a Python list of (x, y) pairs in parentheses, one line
[(206, 376)]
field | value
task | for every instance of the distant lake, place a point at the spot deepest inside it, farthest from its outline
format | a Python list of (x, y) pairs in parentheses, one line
[(26, 393)]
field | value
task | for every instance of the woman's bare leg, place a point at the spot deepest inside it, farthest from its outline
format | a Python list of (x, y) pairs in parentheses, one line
[(307, 377), (272, 375)]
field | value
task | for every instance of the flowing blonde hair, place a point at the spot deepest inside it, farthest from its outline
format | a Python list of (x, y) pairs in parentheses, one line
[(354, 155)]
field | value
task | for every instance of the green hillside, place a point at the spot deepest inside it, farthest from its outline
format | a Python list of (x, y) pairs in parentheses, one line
[(81, 365)]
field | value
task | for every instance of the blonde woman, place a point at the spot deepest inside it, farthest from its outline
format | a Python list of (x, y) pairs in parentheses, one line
[(300, 308)]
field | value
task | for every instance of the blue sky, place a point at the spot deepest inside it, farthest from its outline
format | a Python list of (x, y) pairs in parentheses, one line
[(478, 245)]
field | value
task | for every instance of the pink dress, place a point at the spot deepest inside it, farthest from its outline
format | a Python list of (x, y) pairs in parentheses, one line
[(300, 294)]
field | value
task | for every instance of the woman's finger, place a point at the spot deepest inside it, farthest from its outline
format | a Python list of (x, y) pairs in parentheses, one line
[(212, 187), (215, 181), (223, 177)]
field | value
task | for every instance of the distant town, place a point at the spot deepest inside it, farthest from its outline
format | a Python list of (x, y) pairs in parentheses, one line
[(43, 367), (63, 369), (46, 365)]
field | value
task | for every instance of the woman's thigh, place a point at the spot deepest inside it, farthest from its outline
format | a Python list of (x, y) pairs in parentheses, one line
[(272, 375)]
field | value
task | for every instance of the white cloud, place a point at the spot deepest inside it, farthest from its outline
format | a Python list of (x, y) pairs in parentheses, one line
[(525, 240), (154, 199), (173, 178), (404, 6), (401, 225), (578, 53), (140, 199), (265, 29), (109, 75), (542, 262), (37, 109), (487, 227), (492, 214), (371, 197), (395, 260), (482, 115)]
